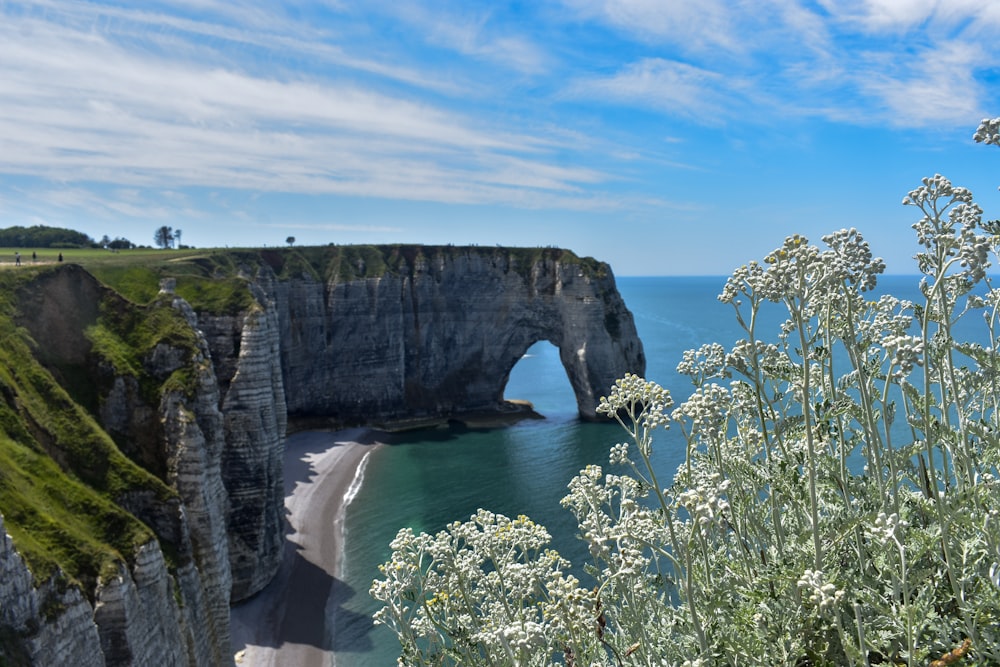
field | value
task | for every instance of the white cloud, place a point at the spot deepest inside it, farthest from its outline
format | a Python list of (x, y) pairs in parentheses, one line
[(901, 16), (468, 106), (688, 25), (939, 87), (906, 63), (472, 31), (670, 86)]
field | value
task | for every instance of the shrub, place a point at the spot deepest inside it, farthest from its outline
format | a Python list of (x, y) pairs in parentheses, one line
[(838, 503)]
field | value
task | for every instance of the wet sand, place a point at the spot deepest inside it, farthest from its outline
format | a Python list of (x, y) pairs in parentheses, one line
[(285, 624)]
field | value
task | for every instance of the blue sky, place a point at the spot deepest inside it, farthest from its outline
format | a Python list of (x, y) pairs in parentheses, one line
[(661, 136)]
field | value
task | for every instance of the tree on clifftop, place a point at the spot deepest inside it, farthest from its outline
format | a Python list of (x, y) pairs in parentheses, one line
[(164, 237)]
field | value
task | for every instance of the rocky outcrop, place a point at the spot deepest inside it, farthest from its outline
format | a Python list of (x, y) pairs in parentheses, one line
[(253, 405), (42, 625), (441, 333), (195, 439), (137, 614)]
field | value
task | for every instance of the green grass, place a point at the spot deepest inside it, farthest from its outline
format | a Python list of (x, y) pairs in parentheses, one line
[(221, 296), (60, 524), (136, 273), (60, 476), (86, 255)]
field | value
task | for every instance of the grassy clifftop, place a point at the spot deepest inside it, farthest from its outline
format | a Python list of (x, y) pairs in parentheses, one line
[(214, 280)]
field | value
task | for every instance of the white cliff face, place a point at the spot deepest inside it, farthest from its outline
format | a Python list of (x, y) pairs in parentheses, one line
[(433, 338), (137, 614), (195, 441), (441, 335), (252, 401), (145, 614), (43, 625)]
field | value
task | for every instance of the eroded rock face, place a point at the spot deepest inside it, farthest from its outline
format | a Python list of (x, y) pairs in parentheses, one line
[(441, 335), (43, 625), (149, 613), (255, 420), (137, 614)]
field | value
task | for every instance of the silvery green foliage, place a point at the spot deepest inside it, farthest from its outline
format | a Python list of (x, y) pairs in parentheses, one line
[(838, 504)]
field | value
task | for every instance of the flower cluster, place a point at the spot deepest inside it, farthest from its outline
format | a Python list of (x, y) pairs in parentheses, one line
[(821, 594), (708, 361), (851, 259), (706, 501), (887, 529), (707, 411), (907, 352), (743, 281), (639, 397)]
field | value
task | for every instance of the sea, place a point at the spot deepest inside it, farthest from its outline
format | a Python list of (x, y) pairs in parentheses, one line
[(427, 479)]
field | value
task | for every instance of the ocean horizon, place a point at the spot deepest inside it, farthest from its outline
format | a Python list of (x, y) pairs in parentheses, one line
[(426, 479)]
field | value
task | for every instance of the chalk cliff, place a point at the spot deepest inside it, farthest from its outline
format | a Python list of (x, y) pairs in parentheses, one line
[(440, 333), (146, 377), (188, 398)]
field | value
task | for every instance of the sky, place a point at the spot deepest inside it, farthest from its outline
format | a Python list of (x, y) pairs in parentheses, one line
[(664, 137)]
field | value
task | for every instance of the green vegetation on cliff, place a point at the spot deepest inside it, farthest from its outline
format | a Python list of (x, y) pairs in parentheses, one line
[(355, 262), (62, 478)]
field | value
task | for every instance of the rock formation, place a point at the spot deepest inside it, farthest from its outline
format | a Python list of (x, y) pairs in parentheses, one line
[(197, 397), (441, 333)]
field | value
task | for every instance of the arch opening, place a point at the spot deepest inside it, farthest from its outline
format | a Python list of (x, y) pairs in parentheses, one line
[(540, 378)]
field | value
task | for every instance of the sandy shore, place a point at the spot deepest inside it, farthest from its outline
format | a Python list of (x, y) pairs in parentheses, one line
[(284, 625)]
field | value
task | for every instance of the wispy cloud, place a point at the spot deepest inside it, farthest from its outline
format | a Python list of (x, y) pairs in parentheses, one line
[(690, 26), (938, 87), (82, 105), (471, 30), (665, 85), (900, 16), (129, 110)]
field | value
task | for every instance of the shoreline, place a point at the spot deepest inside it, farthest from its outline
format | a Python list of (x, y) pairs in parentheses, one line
[(285, 623)]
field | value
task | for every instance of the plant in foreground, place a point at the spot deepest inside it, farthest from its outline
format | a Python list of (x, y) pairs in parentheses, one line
[(838, 503)]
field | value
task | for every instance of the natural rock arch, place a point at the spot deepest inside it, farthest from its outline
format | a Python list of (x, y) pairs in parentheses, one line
[(440, 334)]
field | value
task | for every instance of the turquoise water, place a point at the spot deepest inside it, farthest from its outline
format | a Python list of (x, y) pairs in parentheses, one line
[(430, 478)]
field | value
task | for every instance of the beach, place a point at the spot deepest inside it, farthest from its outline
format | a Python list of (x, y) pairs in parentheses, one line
[(285, 624)]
